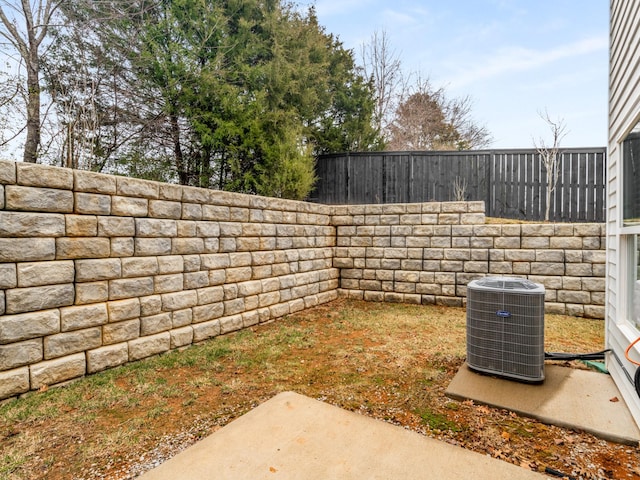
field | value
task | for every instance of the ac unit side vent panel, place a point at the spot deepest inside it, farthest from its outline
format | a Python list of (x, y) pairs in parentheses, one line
[(505, 328)]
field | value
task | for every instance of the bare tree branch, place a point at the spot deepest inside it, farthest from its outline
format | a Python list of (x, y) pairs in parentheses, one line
[(550, 155)]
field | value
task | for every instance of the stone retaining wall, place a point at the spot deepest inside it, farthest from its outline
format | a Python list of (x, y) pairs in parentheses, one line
[(428, 253), (98, 270)]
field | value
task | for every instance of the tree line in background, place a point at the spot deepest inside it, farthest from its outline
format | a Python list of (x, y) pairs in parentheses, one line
[(237, 95)]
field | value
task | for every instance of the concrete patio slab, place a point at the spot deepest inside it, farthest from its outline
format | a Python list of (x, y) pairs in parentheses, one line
[(572, 398), (295, 437)]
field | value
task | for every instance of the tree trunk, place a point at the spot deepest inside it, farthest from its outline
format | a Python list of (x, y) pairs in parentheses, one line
[(183, 175), (32, 144)]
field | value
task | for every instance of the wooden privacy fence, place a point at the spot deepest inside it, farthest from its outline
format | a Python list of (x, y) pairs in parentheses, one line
[(512, 183)]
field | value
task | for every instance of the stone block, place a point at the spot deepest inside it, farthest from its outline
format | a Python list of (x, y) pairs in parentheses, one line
[(546, 268), (150, 305), (196, 195), (472, 219), (153, 227), (180, 318), (93, 292), (62, 344), (230, 291), (135, 187), (571, 283), (99, 269), (76, 248), (92, 182), (144, 347), (139, 266), (170, 264), (27, 224), (579, 269), (537, 230), (550, 256), (234, 306), (574, 243), (536, 242), (249, 288), (207, 229), (594, 256), (476, 267), (7, 171), (85, 316), (130, 287), (571, 296), (215, 212), (187, 246), (32, 299), (501, 268), (168, 283), (204, 313), (507, 242), (594, 311), (123, 309), (37, 175), (165, 209), (116, 227), (14, 382), (155, 324), (593, 284), (8, 275), (32, 274), (129, 207), (231, 323), (449, 219), (81, 225), (194, 280), (21, 353), (191, 211), (521, 268), (179, 300), (591, 243), (239, 274), (170, 192), (122, 246), (519, 255), (181, 337), (237, 214), (587, 229), (38, 199), (107, 357), (58, 370), (210, 295), (206, 330), (268, 299), (152, 246), (119, 332)]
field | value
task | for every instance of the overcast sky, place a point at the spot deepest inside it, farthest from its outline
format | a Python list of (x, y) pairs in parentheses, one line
[(513, 57)]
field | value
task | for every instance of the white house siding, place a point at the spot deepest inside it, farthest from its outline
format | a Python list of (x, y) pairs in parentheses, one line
[(624, 113)]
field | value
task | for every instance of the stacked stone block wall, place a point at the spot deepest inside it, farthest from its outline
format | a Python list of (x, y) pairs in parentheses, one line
[(428, 253), (97, 270)]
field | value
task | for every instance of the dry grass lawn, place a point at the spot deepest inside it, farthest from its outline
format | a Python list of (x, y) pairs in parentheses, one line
[(392, 362)]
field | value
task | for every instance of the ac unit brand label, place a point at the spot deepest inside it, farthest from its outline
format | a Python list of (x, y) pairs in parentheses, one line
[(503, 313)]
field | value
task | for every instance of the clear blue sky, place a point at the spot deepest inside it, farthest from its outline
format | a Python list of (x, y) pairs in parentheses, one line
[(513, 57)]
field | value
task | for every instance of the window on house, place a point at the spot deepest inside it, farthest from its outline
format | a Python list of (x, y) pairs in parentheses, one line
[(634, 273), (631, 179)]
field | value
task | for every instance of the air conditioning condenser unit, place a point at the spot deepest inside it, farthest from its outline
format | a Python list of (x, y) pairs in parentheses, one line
[(505, 328)]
